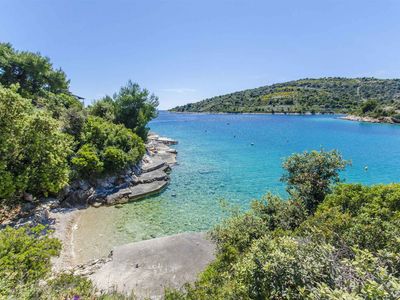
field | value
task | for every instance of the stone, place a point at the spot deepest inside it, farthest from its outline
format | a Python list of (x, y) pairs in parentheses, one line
[(146, 267), (28, 197)]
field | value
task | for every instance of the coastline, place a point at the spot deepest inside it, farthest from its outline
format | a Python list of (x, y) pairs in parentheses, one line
[(152, 179), (381, 120), (254, 113), (348, 117)]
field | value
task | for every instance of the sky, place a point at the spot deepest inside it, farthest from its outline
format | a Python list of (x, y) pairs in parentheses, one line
[(187, 50)]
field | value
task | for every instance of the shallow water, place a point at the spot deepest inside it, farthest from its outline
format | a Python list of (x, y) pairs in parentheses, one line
[(236, 158)]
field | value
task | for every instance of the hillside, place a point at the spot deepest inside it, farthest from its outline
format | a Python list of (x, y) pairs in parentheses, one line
[(324, 95)]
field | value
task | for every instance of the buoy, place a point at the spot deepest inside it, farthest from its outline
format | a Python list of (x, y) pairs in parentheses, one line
[(252, 144), (366, 168)]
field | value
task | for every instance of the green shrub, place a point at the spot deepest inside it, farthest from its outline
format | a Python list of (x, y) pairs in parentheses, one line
[(310, 175), (86, 161), (33, 151), (103, 108), (116, 145), (115, 159), (66, 286), (369, 106), (364, 216), (24, 256)]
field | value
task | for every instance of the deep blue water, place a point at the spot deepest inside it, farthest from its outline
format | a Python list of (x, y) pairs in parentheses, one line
[(238, 158)]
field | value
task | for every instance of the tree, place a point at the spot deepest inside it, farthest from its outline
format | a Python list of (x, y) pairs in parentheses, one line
[(135, 107), (103, 108), (369, 106), (44, 154), (310, 175), (107, 147), (33, 72), (34, 152)]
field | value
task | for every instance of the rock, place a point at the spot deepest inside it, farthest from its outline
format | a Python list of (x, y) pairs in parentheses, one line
[(151, 176), (148, 177), (153, 165), (147, 267), (120, 196), (28, 197), (166, 141)]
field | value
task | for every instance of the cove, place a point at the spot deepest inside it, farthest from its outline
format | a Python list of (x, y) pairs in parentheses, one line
[(236, 158)]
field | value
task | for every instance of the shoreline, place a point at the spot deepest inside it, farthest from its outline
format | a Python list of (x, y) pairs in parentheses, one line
[(152, 179), (342, 116), (255, 113), (381, 120)]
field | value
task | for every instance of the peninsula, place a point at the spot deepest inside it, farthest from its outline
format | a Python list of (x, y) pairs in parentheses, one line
[(375, 99)]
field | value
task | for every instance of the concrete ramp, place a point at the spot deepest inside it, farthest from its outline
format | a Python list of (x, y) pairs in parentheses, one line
[(146, 267)]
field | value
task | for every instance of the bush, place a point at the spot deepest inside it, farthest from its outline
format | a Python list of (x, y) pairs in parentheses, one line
[(66, 286), (33, 151), (310, 175), (369, 106), (24, 256), (103, 108), (86, 161), (115, 159), (116, 145), (355, 215)]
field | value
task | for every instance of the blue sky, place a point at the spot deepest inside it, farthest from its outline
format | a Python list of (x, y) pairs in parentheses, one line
[(187, 50)]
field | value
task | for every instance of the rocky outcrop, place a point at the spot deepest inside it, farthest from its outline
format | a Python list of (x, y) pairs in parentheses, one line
[(389, 120), (147, 267), (150, 176)]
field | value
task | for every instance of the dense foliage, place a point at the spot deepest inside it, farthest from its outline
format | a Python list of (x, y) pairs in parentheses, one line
[(347, 249), (33, 150), (106, 146), (131, 106), (309, 176), (49, 138), (325, 95)]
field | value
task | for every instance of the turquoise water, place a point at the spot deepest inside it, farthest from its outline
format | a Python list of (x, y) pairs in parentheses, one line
[(216, 160)]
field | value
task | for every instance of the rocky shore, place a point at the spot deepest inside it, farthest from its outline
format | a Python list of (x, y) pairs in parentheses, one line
[(148, 177), (144, 268), (61, 214), (147, 267), (388, 120)]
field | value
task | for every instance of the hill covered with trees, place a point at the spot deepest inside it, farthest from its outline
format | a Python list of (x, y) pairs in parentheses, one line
[(324, 95)]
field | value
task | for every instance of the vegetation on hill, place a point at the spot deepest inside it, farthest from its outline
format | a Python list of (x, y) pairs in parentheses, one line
[(329, 240), (325, 95), (49, 138)]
